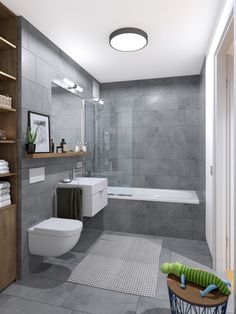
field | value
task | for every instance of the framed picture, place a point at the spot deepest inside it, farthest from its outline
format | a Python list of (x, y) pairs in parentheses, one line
[(41, 123)]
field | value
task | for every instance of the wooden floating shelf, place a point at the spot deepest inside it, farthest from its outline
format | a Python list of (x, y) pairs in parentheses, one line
[(7, 142), (57, 155), (4, 76), (10, 174), (5, 109), (8, 207), (5, 44)]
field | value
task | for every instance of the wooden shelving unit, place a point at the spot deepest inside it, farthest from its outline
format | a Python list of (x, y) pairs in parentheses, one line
[(4, 109), (5, 175), (5, 44), (7, 142), (5, 76), (57, 155), (8, 148), (12, 206)]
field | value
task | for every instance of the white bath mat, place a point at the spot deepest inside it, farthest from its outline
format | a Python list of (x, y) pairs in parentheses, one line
[(125, 264)]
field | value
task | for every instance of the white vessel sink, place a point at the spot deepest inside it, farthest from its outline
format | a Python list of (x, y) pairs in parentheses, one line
[(94, 193)]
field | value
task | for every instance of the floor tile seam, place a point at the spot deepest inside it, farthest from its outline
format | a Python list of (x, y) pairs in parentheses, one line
[(34, 301)]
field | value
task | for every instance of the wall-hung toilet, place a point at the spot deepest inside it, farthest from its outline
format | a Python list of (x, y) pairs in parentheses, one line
[(54, 237)]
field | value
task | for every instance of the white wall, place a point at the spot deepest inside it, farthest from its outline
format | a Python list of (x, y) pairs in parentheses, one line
[(224, 15)]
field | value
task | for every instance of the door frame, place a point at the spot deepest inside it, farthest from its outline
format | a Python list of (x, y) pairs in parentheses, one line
[(220, 158)]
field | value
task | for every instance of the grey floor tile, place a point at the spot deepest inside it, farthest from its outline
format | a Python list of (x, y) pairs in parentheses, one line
[(99, 301), (162, 291), (4, 298), (190, 249), (68, 260), (87, 239), (192, 262), (152, 306), (41, 290), (22, 306), (79, 312), (165, 257), (53, 271)]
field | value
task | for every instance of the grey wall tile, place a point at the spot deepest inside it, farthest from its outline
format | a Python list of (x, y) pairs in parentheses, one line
[(40, 61), (28, 65)]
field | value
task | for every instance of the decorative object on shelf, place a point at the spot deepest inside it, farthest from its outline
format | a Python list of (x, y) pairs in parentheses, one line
[(3, 135), (77, 147), (84, 147), (5, 101), (41, 122), (31, 138), (63, 145), (52, 146), (59, 149)]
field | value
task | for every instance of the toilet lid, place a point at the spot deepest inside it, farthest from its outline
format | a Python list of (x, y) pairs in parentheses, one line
[(58, 226)]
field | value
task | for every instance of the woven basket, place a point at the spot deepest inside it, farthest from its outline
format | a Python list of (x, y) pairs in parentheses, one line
[(5, 101)]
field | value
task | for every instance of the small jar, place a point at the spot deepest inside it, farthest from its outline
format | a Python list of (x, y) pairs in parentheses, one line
[(59, 149), (77, 147), (84, 148), (63, 146)]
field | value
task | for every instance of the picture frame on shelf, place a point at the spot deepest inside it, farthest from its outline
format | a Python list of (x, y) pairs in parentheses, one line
[(41, 123)]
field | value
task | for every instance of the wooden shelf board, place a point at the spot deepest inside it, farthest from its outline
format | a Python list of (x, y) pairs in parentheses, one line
[(8, 207), (10, 174), (4, 109), (7, 142), (5, 76), (5, 44), (57, 155)]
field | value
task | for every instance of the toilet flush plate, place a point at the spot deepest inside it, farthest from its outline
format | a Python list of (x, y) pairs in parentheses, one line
[(36, 175)]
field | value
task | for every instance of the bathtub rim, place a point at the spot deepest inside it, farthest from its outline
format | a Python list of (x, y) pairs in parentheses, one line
[(194, 200)]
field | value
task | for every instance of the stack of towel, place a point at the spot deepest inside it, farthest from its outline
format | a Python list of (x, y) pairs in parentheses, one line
[(4, 166), (5, 198)]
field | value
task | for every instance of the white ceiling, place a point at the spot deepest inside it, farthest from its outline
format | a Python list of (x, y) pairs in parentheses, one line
[(178, 30)]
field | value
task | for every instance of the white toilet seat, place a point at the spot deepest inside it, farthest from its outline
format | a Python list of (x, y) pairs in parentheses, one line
[(54, 237), (58, 227)]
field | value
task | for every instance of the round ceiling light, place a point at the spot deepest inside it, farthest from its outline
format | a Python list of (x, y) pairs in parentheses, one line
[(128, 39)]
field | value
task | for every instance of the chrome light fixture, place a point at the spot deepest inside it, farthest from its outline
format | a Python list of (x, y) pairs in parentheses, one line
[(128, 39), (72, 85), (98, 100)]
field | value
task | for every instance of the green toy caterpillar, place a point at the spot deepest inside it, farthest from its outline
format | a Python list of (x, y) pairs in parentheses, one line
[(199, 277)]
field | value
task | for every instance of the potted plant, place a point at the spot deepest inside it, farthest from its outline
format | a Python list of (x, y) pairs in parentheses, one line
[(30, 141)]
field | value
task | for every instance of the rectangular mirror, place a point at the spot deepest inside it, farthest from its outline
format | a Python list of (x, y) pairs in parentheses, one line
[(67, 117)]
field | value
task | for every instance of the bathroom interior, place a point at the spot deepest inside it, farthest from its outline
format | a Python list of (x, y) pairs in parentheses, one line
[(114, 159)]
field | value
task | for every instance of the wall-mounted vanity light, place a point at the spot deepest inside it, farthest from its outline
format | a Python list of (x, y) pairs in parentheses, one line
[(72, 85)]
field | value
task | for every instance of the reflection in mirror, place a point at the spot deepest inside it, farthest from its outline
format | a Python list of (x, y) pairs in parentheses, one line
[(66, 115)]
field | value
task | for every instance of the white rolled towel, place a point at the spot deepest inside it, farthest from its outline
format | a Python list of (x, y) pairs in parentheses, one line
[(4, 168), (5, 197), (4, 171), (4, 185), (5, 203), (4, 191), (3, 163)]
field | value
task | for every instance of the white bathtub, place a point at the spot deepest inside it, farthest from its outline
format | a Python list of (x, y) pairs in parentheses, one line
[(153, 195)]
